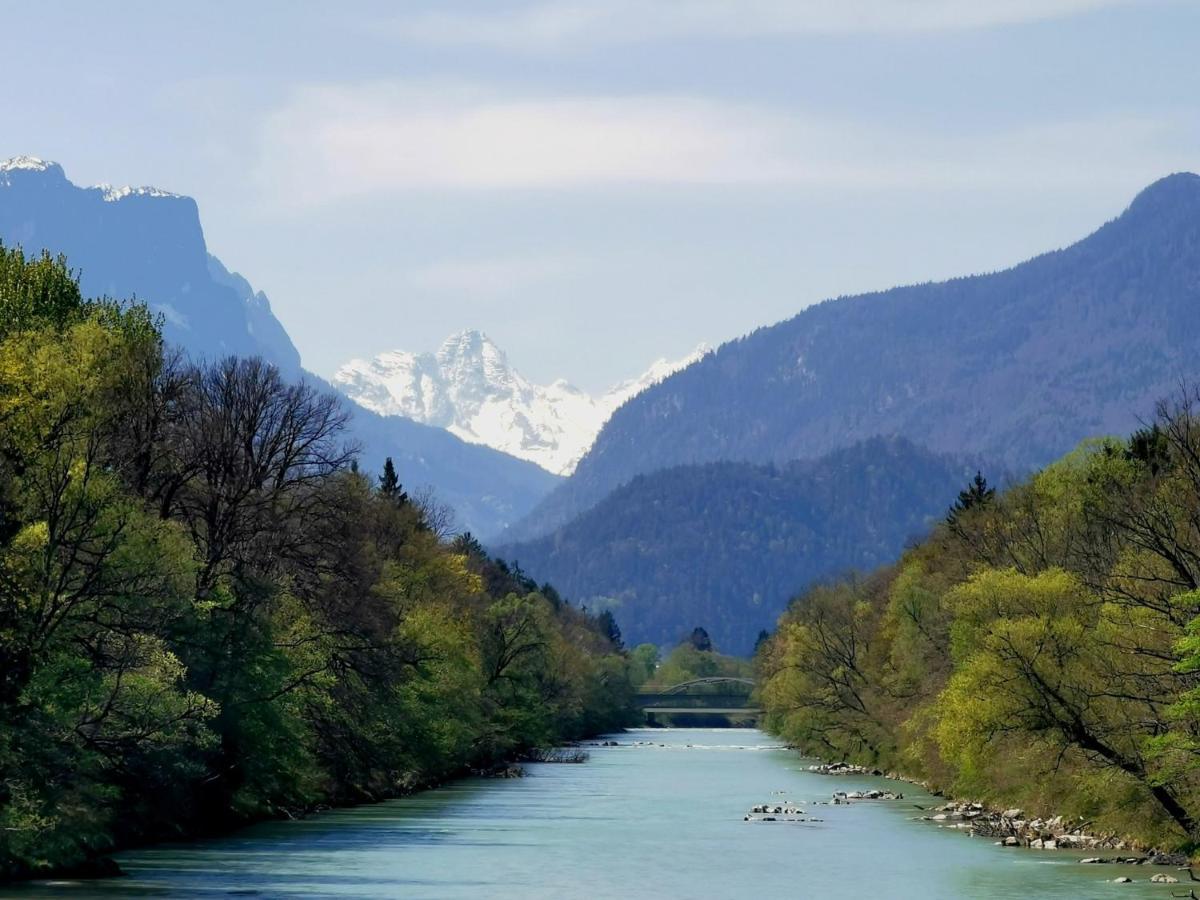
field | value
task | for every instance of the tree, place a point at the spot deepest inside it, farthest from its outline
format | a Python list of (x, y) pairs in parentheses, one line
[(247, 451), (607, 624), (976, 494), (389, 483), (700, 639), (1040, 658), (816, 677), (643, 662)]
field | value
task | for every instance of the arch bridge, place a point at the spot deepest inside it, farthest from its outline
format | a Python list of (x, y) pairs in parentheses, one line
[(698, 696)]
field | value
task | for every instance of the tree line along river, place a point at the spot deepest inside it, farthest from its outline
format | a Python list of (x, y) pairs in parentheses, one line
[(660, 815)]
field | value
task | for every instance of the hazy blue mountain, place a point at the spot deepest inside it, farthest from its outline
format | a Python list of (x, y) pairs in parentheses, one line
[(725, 545), (144, 242), (1016, 366), (148, 243)]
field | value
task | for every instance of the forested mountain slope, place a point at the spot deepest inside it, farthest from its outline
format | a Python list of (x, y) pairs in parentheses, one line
[(724, 545), (1017, 365)]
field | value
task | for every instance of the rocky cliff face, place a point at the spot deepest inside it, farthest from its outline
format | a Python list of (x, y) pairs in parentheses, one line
[(147, 243)]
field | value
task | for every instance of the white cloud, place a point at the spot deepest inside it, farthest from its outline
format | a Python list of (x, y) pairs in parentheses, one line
[(334, 142), (547, 25)]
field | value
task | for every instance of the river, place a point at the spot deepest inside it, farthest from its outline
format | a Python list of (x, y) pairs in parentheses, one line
[(659, 816)]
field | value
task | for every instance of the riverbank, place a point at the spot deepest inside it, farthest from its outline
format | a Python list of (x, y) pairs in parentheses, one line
[(105, 865), (1013, 827)]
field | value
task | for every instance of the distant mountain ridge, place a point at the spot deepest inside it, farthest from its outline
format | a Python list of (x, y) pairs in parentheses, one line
[(1015, 366), (725, 545), (148, 243), (469, 388)]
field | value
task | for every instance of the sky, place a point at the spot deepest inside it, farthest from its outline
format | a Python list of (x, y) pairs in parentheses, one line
[(600, 183)]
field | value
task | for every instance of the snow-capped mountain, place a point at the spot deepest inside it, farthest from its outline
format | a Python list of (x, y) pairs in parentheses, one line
[(469, 388)]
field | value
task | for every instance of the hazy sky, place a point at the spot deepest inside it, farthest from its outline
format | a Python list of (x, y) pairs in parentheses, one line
[(597, 183)]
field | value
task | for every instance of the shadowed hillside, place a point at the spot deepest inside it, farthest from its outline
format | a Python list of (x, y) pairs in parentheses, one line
[(726, 544)]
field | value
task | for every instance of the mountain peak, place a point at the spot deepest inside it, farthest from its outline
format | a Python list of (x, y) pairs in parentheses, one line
[(469, 388), (1181, 189), (469, 343), (1084, 338), (31, 165)]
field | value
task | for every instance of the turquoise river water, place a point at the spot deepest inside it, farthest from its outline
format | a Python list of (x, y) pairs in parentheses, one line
[(660, 816)]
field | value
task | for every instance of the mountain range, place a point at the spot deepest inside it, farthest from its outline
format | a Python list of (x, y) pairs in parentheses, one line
[(469, 388), (1014, 366), (712, 497), (148, 243), (713, 493)]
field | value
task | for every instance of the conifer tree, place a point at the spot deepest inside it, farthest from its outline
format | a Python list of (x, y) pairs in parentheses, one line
[(609, 628), (389, 483), (977, 493), (700, 640)]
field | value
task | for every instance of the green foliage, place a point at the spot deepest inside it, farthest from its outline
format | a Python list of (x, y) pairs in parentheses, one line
[(643, 663), (1040, 649), (208, 616), (688, 663)]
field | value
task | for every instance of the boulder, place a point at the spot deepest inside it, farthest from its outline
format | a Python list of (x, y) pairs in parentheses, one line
[(1168, 859)]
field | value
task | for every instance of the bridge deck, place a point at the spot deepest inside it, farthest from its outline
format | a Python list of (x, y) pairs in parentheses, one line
[(704, 710), (649, 701), (697, 697)]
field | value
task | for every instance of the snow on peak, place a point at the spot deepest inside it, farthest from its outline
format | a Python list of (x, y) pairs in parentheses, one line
[(660, 369), (113, 194), (469, 388), (20, 166), (28, 164)]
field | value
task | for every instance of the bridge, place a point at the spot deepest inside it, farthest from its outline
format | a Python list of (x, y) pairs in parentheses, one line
[(697, 697)]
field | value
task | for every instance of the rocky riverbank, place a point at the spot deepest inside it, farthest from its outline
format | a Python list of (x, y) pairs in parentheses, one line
[(1013, 828), (1008, 827)]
